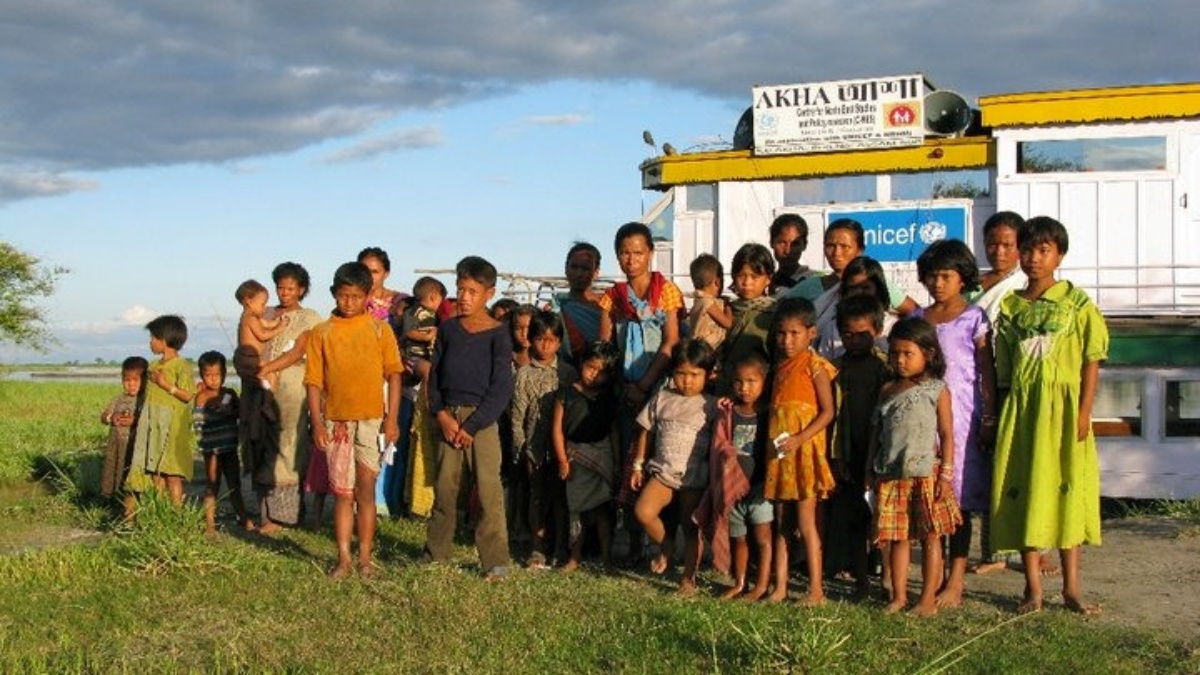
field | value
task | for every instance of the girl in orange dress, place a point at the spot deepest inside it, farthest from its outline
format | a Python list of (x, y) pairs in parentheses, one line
[(798, 474)]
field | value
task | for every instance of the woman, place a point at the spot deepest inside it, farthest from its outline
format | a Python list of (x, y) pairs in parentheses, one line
[(1000, 247), (844, 241), (789, 238), (281, 454), (382, 301), (386, 305)]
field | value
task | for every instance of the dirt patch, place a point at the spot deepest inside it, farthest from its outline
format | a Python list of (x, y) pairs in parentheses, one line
[(16, 538), (1144, 575)]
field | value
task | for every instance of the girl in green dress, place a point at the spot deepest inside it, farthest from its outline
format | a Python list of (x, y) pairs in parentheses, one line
[(1050, 340), (163, 439)]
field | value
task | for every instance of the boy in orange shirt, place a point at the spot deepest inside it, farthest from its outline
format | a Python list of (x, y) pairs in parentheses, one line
[(349, 357)]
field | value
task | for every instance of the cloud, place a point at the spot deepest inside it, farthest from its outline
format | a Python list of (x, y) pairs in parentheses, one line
[(564, 120), (408, 139), (90, 85), (16, 184), (136, 316)]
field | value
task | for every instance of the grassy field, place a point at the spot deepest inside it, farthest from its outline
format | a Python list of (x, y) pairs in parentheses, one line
[(163, 597)]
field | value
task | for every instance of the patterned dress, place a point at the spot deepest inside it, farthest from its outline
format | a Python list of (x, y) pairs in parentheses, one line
[(116, 452), (805, 473), (1046, 489)]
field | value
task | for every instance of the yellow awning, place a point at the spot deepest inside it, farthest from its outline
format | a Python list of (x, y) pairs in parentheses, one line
[(937, 154), (1077, 106)]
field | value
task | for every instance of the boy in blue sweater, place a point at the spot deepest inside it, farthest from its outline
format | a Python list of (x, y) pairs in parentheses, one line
[(470, 385)]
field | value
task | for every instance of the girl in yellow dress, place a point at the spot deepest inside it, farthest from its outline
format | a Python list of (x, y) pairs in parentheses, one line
[(798, 474)]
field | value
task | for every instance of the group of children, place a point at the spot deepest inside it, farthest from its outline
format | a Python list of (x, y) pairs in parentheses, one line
[(724, 423)]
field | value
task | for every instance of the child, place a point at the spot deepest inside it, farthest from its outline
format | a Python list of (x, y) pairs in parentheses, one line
[(532, 414), (349, 357), (911, 481), (163, 440), (798, 474), (419, 327), (711, 316), (677, 421), (502, 308), (120, 415), (254, 329), (947, 269), (580, 305), (518, 321), (864, 276), (215, 421), (583, 431), (737, 468), (1050, 340), (861, 372), (470, 383), (753, 311)]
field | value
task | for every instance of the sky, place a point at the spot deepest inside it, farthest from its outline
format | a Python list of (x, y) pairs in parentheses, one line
[(163, 152)]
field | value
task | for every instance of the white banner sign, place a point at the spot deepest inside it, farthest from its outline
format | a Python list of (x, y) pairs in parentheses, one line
[(883, 112)]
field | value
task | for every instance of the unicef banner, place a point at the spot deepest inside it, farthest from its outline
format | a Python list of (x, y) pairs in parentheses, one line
[(899, 235)]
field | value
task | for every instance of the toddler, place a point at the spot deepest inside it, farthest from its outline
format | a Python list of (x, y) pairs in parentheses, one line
[(676, 422), (120, 415)]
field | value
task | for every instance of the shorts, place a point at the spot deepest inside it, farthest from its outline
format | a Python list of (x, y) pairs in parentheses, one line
[(358, 447), (752, 509)]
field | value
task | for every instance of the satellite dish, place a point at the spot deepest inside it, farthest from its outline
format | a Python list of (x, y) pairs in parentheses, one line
[(946, 113), (743, 133)]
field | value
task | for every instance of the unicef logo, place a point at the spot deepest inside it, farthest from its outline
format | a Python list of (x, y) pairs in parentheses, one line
[(767, 122), (932, 231)]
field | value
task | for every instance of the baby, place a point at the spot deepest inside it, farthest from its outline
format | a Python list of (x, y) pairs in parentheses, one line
[(254, 329)]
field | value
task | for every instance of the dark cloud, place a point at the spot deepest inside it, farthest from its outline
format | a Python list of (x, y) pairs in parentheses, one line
[(99, 84)]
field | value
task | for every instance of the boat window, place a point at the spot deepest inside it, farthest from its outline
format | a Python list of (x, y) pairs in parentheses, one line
[(940, 185), (834, 189), (701, 197), (1118, 407), (1084, 155), (1182, 402)]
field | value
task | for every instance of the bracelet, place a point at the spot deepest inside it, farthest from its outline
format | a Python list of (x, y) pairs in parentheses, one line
[(638, 465)]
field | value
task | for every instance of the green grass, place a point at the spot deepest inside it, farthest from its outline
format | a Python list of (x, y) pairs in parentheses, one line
[(233, 604), (162, 597), (51, 427)]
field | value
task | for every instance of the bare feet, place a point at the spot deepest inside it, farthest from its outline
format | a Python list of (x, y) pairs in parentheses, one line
[(924, 610), (1048, 567), (660, 563), (894, 607), (1030, 604), (210, 531), (949, 597), (1080, 607), (269, 527), (339, 571), (755, 594), (248, 525), (687, 588), (811, 600), (367, 570), (571, 566), (989, 567), (779, 595), (733, 592)]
